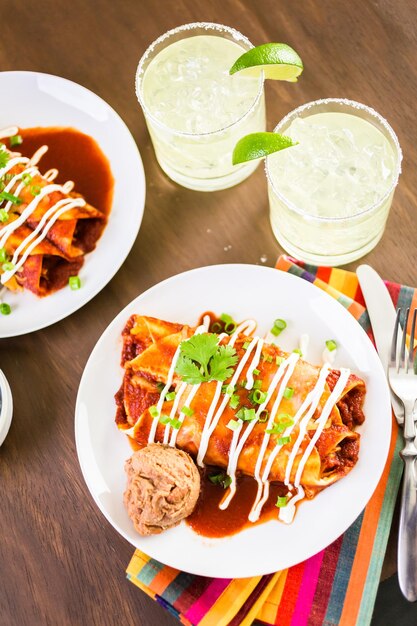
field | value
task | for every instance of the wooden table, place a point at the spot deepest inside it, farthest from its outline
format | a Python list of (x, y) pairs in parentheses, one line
[(60, 561)]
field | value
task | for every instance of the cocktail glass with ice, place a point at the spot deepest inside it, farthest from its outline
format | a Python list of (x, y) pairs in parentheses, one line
[(330, 195), (195, 110)]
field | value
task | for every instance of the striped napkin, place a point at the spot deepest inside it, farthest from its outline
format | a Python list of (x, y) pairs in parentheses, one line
[(336, 587)]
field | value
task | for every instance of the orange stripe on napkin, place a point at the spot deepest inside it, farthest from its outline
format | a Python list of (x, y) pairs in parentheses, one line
[(366, 541)]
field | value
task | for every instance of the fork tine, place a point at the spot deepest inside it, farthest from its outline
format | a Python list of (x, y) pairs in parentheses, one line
[(393, 354), (410, 363), (401, 362)]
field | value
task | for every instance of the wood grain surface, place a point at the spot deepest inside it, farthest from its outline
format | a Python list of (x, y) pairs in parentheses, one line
[(60, 561)]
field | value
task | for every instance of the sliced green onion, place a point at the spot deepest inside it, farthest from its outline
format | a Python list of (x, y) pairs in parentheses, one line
[(233, 425), (279, 360), (228, 389), (276, 429), (230, 327), (188, 411), (259, 396), (283, 440), (170, 396), (267, 357), (226, 318), (234, 401), (26, 179), (245, 414), (278, 327), (331, 345), (298, 351), (288, 392), (246, 345), (5, 309), (4, 215), (164, 419), (285, 419), (35, 190), (3, 255), (4, 156), (74, 282), (160, 387), (16, 140), (281, 501), (263, 416), (216, 327), (250, 415), (5, 195), (153, 411), (257, 384), (7, 267), (256, 372), (176, 423)]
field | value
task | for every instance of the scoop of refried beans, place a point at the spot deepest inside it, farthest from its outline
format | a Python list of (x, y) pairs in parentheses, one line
[(163, 485)]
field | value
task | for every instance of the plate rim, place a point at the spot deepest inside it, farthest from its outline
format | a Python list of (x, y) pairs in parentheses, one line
[(200, 571), (141, 200)]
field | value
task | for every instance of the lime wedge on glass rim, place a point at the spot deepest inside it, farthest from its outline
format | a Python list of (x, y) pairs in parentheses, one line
[(276, 60), (259, 145)]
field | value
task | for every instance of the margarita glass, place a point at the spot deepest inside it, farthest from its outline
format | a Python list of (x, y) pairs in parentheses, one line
[(195, 111), (330, 195)]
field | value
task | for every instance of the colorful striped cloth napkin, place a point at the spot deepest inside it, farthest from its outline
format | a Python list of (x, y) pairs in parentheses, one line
[(336, 587)]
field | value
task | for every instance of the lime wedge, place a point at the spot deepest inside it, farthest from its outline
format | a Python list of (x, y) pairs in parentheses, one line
[(277, 60), (259, 145)]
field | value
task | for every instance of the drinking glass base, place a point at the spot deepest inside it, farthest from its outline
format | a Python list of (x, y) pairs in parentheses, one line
[(210, 184), (326, 259)]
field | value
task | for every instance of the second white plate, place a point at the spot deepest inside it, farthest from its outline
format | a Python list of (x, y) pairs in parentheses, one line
[(32, 99)]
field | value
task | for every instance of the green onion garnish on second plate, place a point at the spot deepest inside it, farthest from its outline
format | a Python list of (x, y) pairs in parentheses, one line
[(5, 309), (74, 282)]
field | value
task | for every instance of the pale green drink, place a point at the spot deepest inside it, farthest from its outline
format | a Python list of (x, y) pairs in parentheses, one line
[(196, 111), (330, 195)]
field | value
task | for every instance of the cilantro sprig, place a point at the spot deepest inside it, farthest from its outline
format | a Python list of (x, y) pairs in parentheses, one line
[(4, 158), (202, 359), (221, 479)]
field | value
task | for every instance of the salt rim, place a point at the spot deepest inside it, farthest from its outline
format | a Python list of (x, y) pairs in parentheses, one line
[(354, 105), (237, 36)]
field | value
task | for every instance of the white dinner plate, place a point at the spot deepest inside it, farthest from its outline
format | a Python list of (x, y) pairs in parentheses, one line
[(244, 291), (31, 99)]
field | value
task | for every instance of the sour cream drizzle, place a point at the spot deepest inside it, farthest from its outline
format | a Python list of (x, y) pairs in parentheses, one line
[(10, 131), (283, 374), (48, 219), (211, 422), (56, 211), (329, 356), (321, 422), (200, 329), (303, 344), (307, 410)]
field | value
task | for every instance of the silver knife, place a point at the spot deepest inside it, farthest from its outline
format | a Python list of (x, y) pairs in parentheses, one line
[(382, 315)]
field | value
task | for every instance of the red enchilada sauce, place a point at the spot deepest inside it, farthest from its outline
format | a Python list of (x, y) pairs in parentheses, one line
[(77, 157), (208, 520)]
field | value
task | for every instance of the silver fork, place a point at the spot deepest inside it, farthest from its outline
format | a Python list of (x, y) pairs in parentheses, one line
[(403, 381)]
